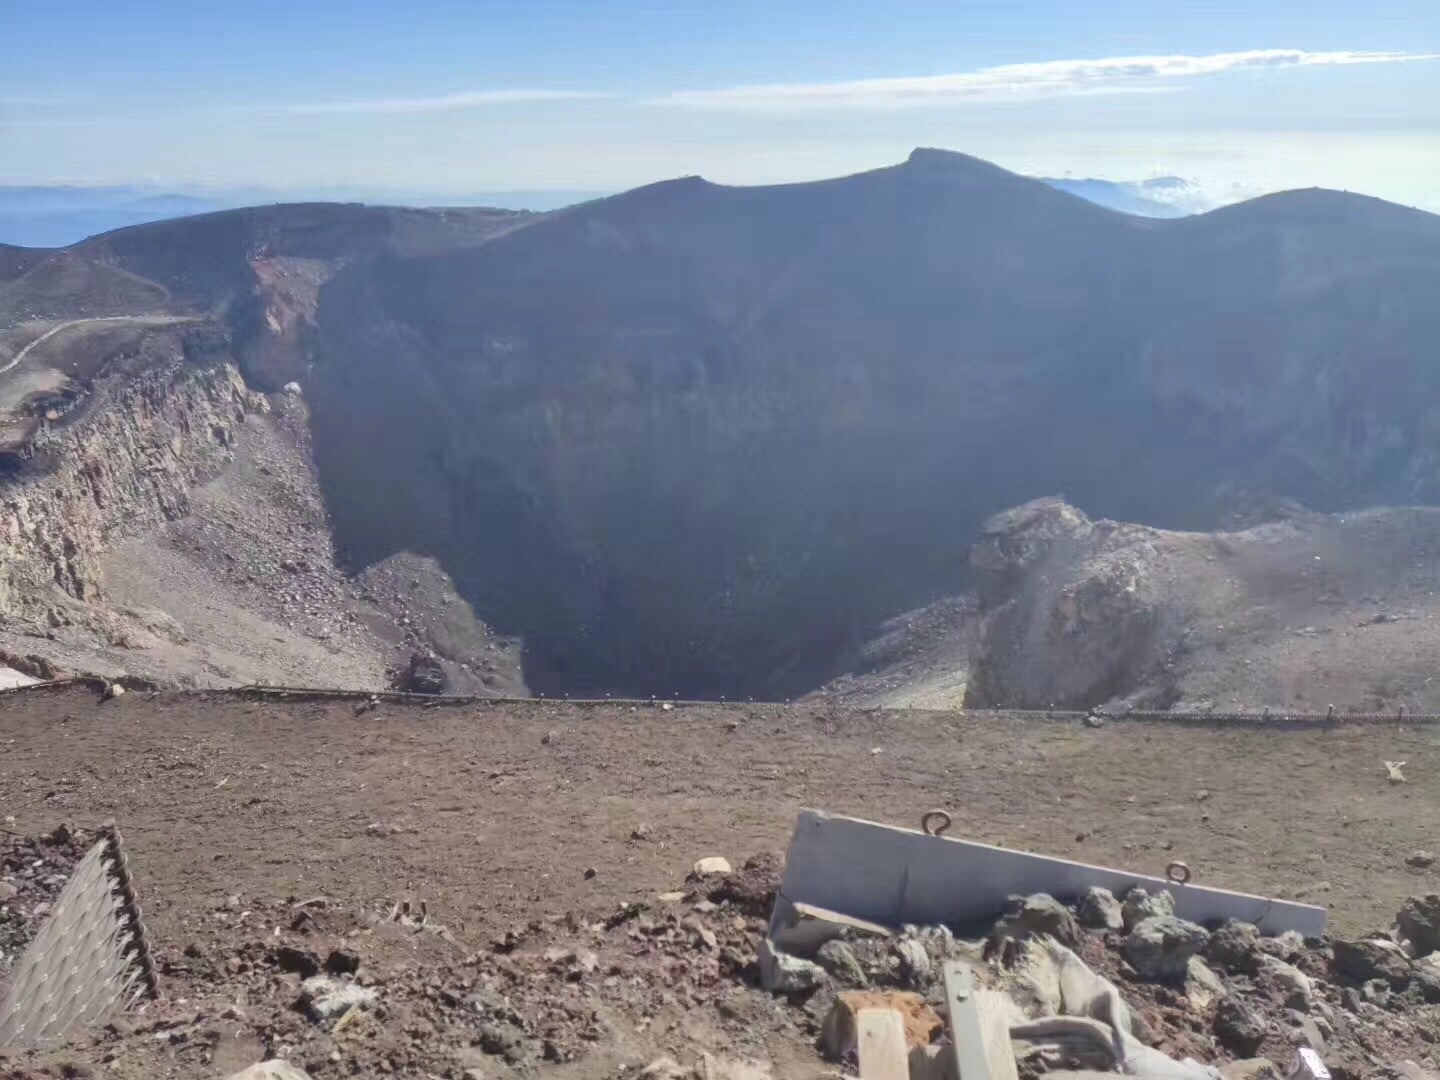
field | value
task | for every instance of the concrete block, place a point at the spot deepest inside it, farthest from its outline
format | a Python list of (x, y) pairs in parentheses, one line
[(889, 876)]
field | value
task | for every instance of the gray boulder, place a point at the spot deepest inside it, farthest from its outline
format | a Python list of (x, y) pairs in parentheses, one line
[(1369, 959), (1239, 1027), (1251, 1069), (424, 674), (839, 960), (1235, 947), (781, 973), (1159, 948), (916, 970), (1427, 978), (1293, 983), (1099, 910), (1418, 922), (1041, 913), (1140, 905)]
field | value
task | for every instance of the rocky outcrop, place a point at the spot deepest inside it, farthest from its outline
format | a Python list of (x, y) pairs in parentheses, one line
[(1300, 615), (129, 463), (1074, 617)]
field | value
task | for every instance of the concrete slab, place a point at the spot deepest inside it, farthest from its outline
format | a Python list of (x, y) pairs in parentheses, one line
[(800, 929), (892, 876), (10, 679)]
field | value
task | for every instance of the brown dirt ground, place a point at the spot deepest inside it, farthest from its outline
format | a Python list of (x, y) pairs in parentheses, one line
[(495, 814)]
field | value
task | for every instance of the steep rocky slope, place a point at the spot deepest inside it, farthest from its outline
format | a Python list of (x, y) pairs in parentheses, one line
[(700, 439), (159, 514), (705, 441)]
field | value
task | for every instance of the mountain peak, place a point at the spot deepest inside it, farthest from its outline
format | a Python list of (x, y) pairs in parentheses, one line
[(933, 157)]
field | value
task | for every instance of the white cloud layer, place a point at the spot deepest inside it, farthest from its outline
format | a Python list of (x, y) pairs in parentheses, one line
[(475, 99), (1021, 82)]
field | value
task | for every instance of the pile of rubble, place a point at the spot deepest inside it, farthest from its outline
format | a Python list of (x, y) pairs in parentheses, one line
[(338, 990), (1218, 1001), (701, 983)]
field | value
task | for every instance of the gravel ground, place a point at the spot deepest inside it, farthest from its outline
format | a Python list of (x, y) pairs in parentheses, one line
[(536, 822)]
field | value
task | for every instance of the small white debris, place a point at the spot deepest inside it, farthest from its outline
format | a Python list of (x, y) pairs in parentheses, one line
[(325, 998), (1308, 1066), (114, 690), (274, 1069)]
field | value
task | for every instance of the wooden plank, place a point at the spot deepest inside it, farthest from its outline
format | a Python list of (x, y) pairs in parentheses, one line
[(894, 876), (881, 1042), (995, 1009), (966, 1033)]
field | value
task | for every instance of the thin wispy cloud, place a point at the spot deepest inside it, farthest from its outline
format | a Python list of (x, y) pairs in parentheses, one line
[(475, 99), (1022, 82)]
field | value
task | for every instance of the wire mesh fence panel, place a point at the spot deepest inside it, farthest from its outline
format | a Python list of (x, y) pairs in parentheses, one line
[(88, 960)]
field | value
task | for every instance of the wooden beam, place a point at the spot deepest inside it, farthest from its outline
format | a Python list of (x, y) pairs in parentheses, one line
[(966, 1033), (995, 1009), (881, 1042)]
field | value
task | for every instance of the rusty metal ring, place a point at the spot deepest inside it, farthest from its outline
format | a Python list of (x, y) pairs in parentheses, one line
[(938, 829), (1178, 872)]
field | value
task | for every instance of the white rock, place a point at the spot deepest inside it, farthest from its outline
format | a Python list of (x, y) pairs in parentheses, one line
[(665, 1068), (325, 998), (1202, 986), (914, 961), (1292, 942), (274, 1069), (714, 864), (114, 690)]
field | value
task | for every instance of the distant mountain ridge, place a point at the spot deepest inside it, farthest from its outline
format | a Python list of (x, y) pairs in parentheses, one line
[(59, 215)]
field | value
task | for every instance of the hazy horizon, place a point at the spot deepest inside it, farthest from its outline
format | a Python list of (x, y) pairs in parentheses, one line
[(453, 98)]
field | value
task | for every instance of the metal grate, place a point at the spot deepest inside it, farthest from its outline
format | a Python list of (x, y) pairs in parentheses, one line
[(88, 960)]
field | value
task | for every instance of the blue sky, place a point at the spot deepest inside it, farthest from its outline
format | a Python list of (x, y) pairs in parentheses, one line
[(449, 97)]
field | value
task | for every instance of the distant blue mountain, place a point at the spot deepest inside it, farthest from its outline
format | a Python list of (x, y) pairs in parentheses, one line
[(1162, 197), (56, 216), (62, 215)]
